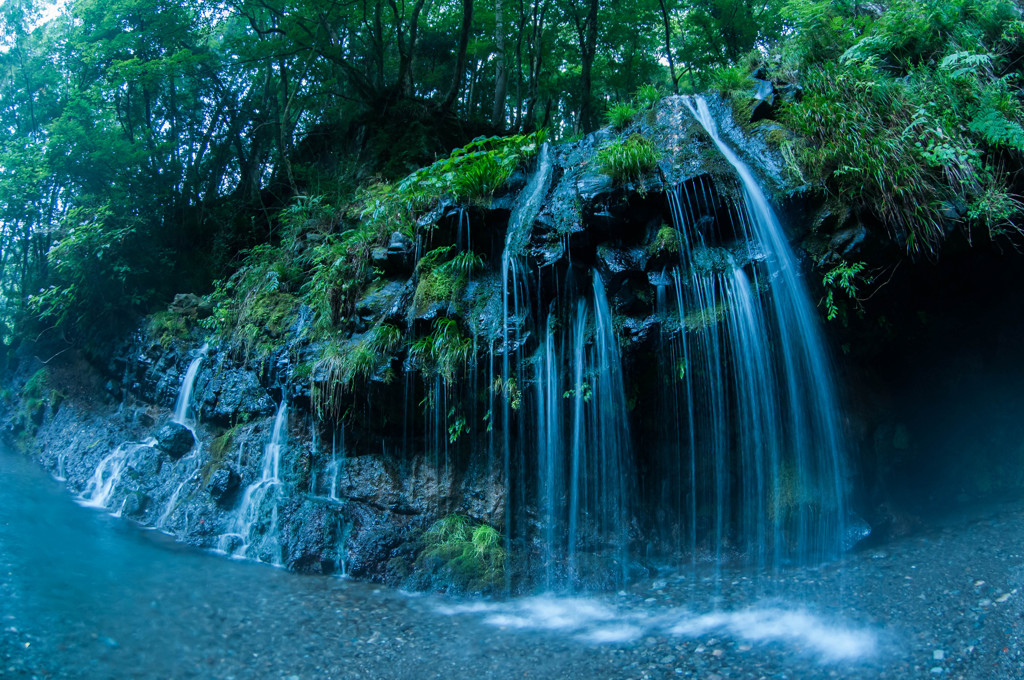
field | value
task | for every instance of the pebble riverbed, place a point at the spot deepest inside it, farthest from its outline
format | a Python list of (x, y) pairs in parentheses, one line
[(87, 595)]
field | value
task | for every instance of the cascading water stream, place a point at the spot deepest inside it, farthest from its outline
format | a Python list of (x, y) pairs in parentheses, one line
[(584, 453), (515, 303), (758, 384), (182, 407), (183, 416), (251, 527)]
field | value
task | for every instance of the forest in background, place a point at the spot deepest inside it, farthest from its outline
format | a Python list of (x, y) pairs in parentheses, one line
[(153, 147)]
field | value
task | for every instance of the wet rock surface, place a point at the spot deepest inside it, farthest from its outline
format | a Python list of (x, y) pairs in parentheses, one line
[(175, 440)]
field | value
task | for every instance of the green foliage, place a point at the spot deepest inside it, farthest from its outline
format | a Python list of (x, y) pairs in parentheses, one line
[(647, 96), (911, 116), (509, 390), (470, 555), (37, 396), (621, 115), (666, 242), (628, 160), (100, 268), (731, 78), (444, 351), (471, 173), (341, 272), (253, 309), (844, 278), (166, 326), (443, 279), (33, 394), (584, 392), (342, 369)]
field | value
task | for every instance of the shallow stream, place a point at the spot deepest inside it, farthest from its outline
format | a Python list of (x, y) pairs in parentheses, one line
[(84, 594)]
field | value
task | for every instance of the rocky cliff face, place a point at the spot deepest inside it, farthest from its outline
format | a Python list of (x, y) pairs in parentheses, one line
[(273, 460)]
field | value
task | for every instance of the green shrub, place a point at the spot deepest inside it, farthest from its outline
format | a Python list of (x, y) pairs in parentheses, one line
[(166, 326), (910, 116), (731, 79), (628, 160), (472, 172), (844, 278), (621, 115), (647, 96), (470, 556), (445, 350), (103, 268), (441, 278), (341, 369)]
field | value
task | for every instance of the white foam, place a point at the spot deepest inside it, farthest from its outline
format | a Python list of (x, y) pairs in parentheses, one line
[(598, 622), (795, 627)]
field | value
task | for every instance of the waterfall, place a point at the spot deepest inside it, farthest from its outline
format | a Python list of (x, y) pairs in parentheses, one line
[(182, 406), (100, 489), (584, 452), (764, 452), (334, 467), (183, 415), (251, 521)]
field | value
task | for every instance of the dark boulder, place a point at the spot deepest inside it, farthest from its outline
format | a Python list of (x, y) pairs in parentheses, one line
[(192, 306), (618, 264), (223, 487), (175, 440), (134, 505), (397, 257), (764, 100), (229, 393)]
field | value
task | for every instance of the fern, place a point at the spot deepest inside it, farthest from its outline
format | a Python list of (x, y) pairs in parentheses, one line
[(961, 64), (996, 129)]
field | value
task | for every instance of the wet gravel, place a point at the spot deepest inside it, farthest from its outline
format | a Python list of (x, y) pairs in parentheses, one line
[(86, 595)]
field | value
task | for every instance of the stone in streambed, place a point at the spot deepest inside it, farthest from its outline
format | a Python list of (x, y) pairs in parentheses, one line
[(175, 440)]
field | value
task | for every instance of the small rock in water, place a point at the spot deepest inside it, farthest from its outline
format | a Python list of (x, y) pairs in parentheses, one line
[(938, 655), (1003, 598)]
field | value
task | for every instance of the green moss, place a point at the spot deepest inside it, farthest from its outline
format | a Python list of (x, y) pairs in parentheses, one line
[(712, 260), (443, 277), (220, 448), (665, 242), (468, 555), (437, 285), (702, 319), (32, 395), (167, 326), (263, 319)]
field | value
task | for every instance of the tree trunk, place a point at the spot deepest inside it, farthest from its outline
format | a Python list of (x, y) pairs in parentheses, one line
[(668, 46), (500, 73), (588, 48), (536, 59), (460, 59)]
